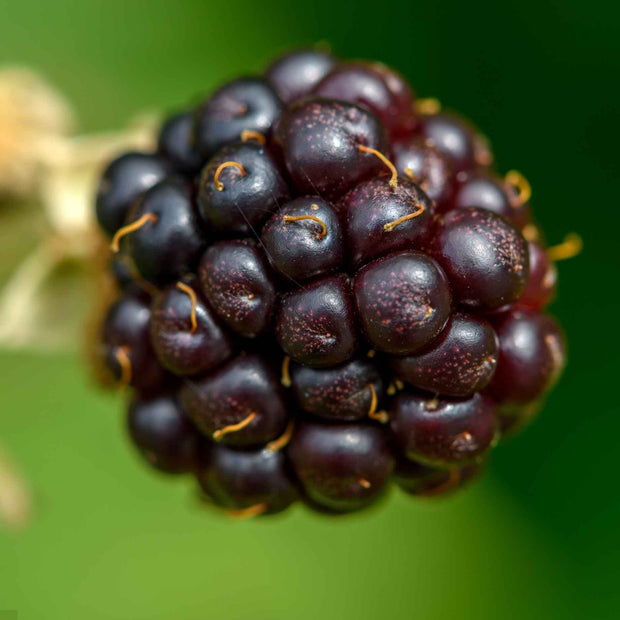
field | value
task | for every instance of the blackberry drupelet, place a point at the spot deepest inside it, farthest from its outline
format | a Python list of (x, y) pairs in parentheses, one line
[(324, 286)]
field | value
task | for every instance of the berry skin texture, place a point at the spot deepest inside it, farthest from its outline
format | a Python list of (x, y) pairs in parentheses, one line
[(403, 301), (320, 139), (316, 324), (459, 362), (324, 286), (341, 393), (169, 247), (342, 467), (300, 249), (457, 139), (244, 104), (417, 479), (186, 344), (542, 284), (484, 257), (241, 196), (426, 166), (374, 205), (245, 393), (488, 191), (532, 355), (127, 348), (294, 75), (237, 283), (376, 87), (163, 434), (122, 182), (176, 144), (241, 479), (442, 432)]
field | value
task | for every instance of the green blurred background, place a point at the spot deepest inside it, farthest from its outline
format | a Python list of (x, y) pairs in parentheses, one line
[(538, 537)]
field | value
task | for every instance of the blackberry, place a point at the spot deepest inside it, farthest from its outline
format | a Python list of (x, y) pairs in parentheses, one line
[(126, 346), (484, 257), (341, 467), (240, 404), (240, 186), (123, 181), (235, 279), (316, 324), (304, 239), (403, 301), (324, 286), (376, 87), (443, 432), (163, 434), (489, 191), (370, 211), (294, 75), (176, 144), (328, 146), (163, 234), (460, 361), (185, 335), (247, 482), (246, 104), (424, 481), (428, 167)]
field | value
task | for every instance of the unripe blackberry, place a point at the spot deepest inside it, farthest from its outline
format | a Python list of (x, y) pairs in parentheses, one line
[(325, 287)]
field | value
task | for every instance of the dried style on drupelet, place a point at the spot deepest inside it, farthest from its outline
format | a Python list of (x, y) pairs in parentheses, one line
[(325, 287)]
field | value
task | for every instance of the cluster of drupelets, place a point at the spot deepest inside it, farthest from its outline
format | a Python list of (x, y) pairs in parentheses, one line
[(324, 286)]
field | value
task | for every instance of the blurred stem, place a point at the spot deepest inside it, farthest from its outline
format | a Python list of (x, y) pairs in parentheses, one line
[(15, 495), (19, 294)]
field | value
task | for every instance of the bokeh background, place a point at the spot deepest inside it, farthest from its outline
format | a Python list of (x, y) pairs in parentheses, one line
[(538, 537)]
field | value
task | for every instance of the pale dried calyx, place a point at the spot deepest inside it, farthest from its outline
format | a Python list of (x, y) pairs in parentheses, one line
[(42, 162)]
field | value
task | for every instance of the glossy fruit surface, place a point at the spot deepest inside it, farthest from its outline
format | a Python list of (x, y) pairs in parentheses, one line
[(246, 104), (443, 432), (532, 355), (304, 239), (542, 284), (240, 479), (316, 324), (294, 75), (237, 282), (422, 480), (380, 219), (428, 167), (168, 246), (126, 346), (403, 301), (320, 141), (240, 404), (346, 392), (123, 181), (457, 139), (460, 361), (484, 257), (176, 144), (163, 434), (239, 187), (375, 87), (186, 337), (324, 286), (342, 467), (486, 190)]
